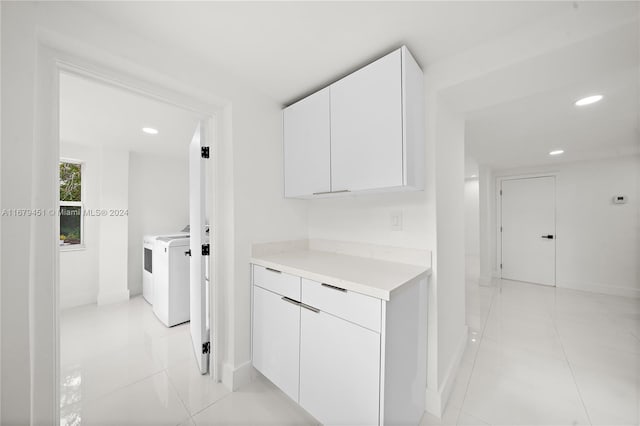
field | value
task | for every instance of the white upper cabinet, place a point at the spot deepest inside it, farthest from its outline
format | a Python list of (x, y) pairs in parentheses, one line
[(365, 132), (366, 127), (307, 146)]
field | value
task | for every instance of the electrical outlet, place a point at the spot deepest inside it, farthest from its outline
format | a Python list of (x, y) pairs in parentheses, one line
[(396, 220)]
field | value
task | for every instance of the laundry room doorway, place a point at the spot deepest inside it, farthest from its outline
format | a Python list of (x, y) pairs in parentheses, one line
[(136, 308)]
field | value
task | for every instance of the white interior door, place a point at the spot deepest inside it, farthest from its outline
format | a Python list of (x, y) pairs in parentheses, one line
[(199, 240), (528, 230)]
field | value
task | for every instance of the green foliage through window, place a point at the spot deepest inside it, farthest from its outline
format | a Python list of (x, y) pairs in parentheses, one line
[(70, 207), (70, 182)]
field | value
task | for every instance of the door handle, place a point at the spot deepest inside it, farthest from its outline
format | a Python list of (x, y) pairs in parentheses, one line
[(187, 253), (548, 237)]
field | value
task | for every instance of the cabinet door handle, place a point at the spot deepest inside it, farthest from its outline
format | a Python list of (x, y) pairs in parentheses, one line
[(273, 270), (310, 308), (333, 287), (293, 302), (332, 192)]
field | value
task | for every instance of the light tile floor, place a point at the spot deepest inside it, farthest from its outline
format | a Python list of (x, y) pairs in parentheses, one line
[(540, 355), (536, 356), (121, 366)]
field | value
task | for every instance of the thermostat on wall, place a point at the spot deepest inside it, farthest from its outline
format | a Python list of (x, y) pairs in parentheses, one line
[(619, 199)]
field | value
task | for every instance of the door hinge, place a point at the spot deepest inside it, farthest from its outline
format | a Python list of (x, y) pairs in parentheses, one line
[(501, 192), (204, 152), (206, 347), (501, 229), (205, 249), (501, 266)]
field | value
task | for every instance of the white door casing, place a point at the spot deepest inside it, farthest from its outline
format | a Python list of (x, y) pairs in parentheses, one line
[(528, 229), (198, 237)]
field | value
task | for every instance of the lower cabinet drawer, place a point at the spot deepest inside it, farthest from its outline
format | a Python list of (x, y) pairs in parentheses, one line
[(277, 281), (339, 370), (355, 307)]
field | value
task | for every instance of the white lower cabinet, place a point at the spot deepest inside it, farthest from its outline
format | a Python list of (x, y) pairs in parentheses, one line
[(339, 370), (276, 339), (345, 357)]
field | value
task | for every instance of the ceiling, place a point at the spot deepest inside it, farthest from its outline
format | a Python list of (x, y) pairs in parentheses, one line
[(97, 114), (515, 112), (536, 112), (288, 49)]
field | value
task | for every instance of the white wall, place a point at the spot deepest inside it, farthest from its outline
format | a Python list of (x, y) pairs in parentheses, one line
[(79, 268), (486, 235), (261, 214), (158, 204), (367, 218), (598, 243), (450, 252), (472, 217), (472, 228), (114, 226)]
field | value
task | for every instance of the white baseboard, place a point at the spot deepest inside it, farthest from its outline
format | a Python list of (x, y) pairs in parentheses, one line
[(235, 378), (113, 297), (601, 289), (77, 299), (436, 399)]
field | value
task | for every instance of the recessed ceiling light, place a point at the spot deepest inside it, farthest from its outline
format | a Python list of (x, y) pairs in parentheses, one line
[(588, 100), (150, 130), (556, 152), (473, 176)]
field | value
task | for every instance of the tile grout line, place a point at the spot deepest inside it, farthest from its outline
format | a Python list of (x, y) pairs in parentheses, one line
[(175, 389), (111, 392), (473, 365), (211, 404), (573, 374)]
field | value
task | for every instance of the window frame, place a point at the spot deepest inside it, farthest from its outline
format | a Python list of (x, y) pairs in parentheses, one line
[(81, 246)]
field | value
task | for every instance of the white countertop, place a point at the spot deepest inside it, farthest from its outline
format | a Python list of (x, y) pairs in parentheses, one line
[(373, 277)]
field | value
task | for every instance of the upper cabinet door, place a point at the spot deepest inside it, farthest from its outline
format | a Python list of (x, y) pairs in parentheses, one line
[(307, 155), (366, 127)]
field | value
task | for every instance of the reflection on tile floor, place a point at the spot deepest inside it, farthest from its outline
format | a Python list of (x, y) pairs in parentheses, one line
[(121, 366), (540, 355), (535, 356)]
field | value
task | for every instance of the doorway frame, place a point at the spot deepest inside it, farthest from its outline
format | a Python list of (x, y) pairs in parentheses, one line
[(498, 208), (56, 56)]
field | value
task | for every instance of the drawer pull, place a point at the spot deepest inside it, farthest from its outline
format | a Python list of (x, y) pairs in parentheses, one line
[(310, 308), (332, 192), (293, 302), (273, 270), (333, 287)]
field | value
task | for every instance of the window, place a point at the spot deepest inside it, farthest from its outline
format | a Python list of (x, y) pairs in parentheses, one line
[(71, 209)]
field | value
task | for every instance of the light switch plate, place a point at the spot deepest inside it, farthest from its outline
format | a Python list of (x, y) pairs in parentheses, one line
[(396, 220)]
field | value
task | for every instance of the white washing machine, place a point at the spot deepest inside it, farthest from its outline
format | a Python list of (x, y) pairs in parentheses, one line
[(147, 263), (171, 279)]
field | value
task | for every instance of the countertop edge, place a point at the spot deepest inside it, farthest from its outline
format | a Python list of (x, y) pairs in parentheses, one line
[(328, 279)]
